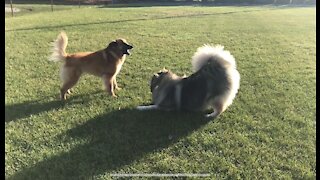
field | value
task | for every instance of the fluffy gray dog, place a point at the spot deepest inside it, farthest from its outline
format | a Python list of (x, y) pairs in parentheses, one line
[(213, 85)]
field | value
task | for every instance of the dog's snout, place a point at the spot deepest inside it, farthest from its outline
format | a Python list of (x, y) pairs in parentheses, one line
[(130, 47)]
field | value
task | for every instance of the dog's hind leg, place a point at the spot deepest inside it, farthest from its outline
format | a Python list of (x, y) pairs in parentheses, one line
[(70, 78)]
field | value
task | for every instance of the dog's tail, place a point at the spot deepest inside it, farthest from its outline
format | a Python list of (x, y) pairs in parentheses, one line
[(59, 48), (208, 53), (222, 66)]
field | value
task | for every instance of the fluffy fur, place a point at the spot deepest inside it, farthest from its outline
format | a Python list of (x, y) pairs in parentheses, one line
[(213, 85), (105, 63)]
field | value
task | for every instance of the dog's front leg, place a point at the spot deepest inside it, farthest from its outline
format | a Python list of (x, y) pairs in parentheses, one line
[(115, 84), (218, 108), (108, 83), (150, 107)]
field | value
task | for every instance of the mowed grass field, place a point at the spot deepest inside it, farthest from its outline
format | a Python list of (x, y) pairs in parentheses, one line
[(267, 133)]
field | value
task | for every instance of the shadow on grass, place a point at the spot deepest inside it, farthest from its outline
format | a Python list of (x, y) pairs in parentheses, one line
[(131, 20), (18, 111), (22, 110), (114, 140)]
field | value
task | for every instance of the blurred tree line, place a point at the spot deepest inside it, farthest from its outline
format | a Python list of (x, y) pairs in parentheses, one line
[(229, 1), (168, 1)]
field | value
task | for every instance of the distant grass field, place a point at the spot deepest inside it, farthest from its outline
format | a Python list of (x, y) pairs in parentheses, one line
[(267, 133)]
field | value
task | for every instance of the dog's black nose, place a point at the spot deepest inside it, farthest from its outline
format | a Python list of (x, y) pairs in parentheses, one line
[(130, 47)]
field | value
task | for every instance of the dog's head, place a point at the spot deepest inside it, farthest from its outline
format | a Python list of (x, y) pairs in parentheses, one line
[(120, 46), (158, 78)]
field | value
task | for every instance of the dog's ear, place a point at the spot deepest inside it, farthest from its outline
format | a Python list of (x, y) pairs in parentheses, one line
[(112, 43), (164, 69)]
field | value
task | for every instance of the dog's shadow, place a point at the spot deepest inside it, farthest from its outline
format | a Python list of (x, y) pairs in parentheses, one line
[(25, 109), (112, 141)]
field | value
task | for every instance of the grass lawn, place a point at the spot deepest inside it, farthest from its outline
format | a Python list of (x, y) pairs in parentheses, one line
[(267, 133)]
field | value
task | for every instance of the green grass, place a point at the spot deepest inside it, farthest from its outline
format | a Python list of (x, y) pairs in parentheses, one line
[(27, 9), (267, 133)]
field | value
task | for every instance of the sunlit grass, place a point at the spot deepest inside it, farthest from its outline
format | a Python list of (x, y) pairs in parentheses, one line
[(269, 131)]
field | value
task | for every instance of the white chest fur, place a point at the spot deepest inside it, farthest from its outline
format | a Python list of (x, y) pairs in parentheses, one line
[(119, 66)]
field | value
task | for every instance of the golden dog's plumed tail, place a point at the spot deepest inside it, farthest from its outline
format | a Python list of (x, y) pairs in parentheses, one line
[(59, 48), (208, 53)]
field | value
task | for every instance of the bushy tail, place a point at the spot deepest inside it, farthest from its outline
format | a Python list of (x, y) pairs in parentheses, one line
[(221, 57), (59, 48), (211, 53)]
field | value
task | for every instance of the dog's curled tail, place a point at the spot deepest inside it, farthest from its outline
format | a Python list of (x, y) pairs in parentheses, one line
[(208, 53), (59, 48)]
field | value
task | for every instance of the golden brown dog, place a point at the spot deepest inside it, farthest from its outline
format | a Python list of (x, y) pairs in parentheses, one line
[(105, 63)]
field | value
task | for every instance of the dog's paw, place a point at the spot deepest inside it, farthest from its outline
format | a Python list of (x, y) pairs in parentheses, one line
[(210, 115), (140, 108), (69, 91), (63, 97)]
